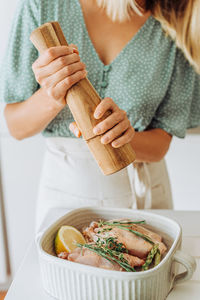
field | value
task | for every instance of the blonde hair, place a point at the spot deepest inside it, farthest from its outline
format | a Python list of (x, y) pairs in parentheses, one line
[(119, 10), (180, 19), (182, 22)]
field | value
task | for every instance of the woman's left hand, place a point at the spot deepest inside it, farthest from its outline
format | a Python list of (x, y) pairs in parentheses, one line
[(115, 129)]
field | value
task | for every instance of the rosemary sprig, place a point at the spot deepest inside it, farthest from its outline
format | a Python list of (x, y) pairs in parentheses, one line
[(121, 222), (150, 257), (124, 226), (109, 255)]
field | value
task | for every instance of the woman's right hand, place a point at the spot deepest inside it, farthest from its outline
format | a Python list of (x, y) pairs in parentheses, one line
[(57, 69)]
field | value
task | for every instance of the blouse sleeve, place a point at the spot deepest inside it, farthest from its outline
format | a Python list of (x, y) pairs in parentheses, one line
[(17, 81), (180, 108)]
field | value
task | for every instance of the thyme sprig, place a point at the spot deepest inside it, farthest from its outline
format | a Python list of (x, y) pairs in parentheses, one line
[(101, 223), (125, 226), (111, 243)]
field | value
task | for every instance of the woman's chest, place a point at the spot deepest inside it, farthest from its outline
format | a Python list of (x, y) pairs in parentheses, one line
[(107, 37), (138, 79)]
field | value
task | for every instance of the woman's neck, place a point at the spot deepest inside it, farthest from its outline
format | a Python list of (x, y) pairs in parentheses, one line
[(108, 37), (118, 11)]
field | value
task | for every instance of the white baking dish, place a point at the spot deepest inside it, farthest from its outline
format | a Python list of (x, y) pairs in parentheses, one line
[(67, 280)]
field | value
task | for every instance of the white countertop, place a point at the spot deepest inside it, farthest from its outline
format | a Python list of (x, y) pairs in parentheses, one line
[(27, 284)]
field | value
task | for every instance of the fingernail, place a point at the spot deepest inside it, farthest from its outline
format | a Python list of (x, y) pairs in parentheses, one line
[(104, 140), (77, 133), (75, 50), (71, 127), (96, 130), (85, 73), (115, 144), (97, 114)]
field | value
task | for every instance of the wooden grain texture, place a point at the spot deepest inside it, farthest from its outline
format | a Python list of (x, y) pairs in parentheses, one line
[(84, 97), (59, 33), (112, 160), (82, 100)]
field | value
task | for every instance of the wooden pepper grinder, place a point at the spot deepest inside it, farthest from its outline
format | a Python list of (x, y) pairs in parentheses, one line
[(83, 100)]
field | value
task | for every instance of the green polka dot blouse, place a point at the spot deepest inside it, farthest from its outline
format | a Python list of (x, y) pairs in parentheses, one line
[(150, 78)]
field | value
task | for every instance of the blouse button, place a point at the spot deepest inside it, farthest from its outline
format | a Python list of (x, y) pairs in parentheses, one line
[(107, 68), (104, 84)]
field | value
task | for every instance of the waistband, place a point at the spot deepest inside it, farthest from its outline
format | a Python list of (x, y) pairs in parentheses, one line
[(74, 147), (67, 143)]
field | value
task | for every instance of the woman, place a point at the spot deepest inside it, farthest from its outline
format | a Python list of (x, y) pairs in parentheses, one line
[(155, 95)]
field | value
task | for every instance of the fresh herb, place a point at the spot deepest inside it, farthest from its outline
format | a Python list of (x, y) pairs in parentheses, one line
[(124, 225), (101, 223), (150, 257), (111, 243)]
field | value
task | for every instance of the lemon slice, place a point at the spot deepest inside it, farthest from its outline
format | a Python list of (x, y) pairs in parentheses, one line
[(66, 239)]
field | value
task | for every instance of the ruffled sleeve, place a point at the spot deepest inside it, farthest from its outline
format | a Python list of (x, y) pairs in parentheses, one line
[(17, 80), (180, 108)]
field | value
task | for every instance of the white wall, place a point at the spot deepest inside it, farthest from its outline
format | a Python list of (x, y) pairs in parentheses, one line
[(183, 160), (3, 261), (21, 166), (7, 9)]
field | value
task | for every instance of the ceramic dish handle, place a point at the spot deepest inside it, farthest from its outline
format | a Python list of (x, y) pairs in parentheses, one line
[(188, 262), (38, 236)]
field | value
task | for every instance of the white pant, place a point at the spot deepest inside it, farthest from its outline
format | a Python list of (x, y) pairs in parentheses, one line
[(71, 178)]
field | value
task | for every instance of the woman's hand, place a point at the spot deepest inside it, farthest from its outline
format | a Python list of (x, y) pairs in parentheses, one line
[(57, 69), (115, 129)]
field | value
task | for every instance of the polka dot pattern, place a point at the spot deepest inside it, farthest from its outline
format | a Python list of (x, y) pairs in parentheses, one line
[(150, 78)]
